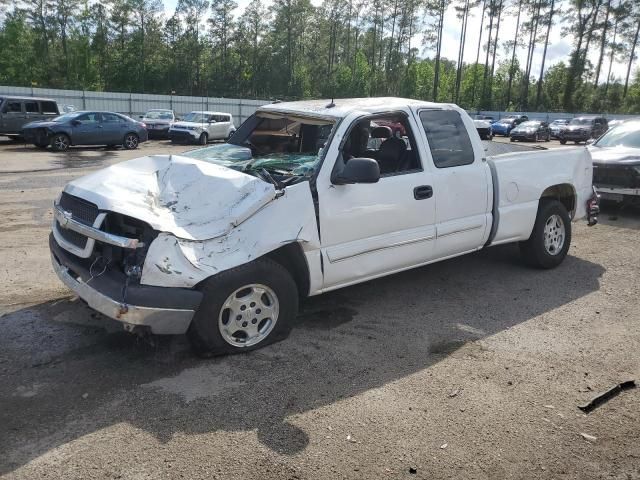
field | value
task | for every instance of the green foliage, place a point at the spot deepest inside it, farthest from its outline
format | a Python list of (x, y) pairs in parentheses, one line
[(342, 48)]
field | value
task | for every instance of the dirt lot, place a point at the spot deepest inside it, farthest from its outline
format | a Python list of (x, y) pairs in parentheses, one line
[(470, 368)]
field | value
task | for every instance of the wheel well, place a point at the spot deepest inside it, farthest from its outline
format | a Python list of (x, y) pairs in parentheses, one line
[(564, 193), (291, 257)]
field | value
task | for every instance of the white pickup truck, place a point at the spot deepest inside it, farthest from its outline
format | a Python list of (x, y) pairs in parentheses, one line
[(306, 197)]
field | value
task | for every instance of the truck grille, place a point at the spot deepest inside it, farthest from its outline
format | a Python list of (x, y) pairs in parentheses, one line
[(81, 211), (615, 176)]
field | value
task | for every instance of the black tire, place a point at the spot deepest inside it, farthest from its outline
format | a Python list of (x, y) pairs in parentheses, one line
[(536, 138), (60, 142), (563, 142), (577, 142), (205, 332), (533, 250), (130, 141), (548, 139), (512, 139), (203, 139)]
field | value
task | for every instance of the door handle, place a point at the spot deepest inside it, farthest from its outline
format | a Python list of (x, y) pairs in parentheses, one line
[(422, 192)]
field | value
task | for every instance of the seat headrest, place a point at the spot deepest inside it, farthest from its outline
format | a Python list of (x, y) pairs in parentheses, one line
[(381, 132)]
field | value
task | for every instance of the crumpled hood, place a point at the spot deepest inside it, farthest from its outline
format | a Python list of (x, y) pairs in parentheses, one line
[(189, 198), (615, 155)]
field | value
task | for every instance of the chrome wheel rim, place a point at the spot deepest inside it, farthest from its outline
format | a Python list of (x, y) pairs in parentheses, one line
[(131, 141), (554, 235), (248, 315), (61, 142)]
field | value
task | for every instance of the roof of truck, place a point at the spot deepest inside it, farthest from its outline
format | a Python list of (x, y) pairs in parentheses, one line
[(344, 106), (14, 97)]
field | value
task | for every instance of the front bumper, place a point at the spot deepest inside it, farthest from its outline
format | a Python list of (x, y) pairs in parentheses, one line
[(158, 309), (523, 136), (158, 131), (184, 135), (575, 136)]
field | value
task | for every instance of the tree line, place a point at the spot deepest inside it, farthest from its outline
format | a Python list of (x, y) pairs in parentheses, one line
[(291, 49)]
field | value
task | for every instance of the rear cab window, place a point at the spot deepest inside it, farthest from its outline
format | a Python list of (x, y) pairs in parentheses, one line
[(31, 107), (49, 107), (448, 138)]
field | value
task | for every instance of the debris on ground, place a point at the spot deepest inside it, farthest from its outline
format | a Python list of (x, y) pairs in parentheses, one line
[(589, 438), (444, 445), (413, 470), (454, 393), (85, 395), (351, 439), (606, 396)]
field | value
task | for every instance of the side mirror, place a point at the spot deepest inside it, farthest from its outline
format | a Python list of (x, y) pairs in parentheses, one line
[(359, 170), (140, 116), (75, 123)]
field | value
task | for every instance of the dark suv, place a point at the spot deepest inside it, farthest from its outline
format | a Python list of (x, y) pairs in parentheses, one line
[(15, 112), (581, 129)]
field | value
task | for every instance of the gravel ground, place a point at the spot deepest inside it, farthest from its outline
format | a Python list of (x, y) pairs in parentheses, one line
[(470, 368)]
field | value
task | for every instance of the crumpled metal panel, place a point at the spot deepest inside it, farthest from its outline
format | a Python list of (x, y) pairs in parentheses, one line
[(188, 198), (175, 262)]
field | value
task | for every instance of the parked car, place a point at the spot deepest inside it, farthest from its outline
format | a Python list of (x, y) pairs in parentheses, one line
[(484, 129), (158, 122), (86, 128), (201, 127), (557, 125), (16, 112), (508, 123), (581, 129), (531, 130), (221, 242), (616, 163)]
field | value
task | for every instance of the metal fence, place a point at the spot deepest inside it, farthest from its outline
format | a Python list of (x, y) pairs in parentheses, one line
[(134, 104)]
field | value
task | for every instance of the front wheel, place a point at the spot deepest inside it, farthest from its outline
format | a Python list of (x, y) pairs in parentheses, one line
[(551, 236), (60, 142), (203, 139), (563, 142), (244, 308)]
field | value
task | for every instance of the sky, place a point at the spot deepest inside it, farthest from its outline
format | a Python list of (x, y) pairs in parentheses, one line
[(558, 50)]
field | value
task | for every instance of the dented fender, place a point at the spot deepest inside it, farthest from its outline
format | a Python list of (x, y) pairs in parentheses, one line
[(178, 262)]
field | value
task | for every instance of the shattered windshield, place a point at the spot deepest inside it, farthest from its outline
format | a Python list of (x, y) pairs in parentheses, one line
[(283, 146)]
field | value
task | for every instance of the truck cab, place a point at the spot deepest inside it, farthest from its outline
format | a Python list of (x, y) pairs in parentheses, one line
[(305, 198)]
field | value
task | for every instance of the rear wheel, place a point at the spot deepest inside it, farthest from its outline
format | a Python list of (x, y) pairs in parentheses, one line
[(563, 142), (131, 141), (60, 142), (550, 239), (244, 308)]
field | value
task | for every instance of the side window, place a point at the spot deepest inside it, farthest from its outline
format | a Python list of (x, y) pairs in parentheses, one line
[(111, 118), (49, 107), (448, 138), (88, 118), (31, 107), (388, 140), (13, 107)]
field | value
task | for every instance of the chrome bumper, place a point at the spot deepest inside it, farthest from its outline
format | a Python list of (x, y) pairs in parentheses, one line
[(159, 320)]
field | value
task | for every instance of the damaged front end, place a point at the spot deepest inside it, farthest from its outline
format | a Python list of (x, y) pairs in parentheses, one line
[(135, 240), (100, 256)]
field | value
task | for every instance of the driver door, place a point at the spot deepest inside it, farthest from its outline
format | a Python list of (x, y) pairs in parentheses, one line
[(368, 230)]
